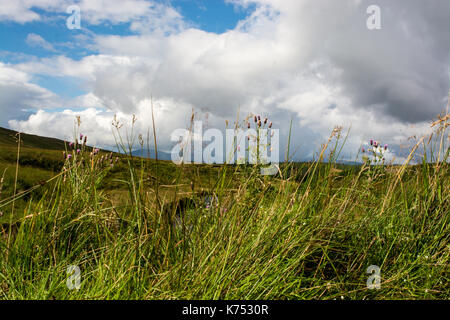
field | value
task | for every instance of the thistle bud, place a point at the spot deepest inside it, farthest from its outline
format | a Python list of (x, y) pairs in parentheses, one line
[(270, 125), (265, 121)]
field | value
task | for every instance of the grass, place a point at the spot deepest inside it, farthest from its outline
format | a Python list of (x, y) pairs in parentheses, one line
[(143, 230)]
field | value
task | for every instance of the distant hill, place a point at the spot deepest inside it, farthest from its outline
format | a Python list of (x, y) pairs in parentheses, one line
[(144, 154)]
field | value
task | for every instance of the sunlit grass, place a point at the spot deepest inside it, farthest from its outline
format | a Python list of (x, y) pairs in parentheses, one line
[(310, 233)]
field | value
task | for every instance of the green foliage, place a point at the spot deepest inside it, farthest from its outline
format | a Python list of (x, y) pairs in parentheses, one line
[(146, 230)]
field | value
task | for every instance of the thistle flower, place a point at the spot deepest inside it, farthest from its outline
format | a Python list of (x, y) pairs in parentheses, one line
[(255, 119), (265, 121), (69, 156), (363, 150), (385, 147), (371, 142), (259, 118), (70, 144), (270, 125), (81, 136), (78, 150), (96, 151)]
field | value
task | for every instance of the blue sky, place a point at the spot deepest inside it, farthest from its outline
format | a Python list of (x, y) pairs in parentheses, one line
[(315, 62), (215, 16)]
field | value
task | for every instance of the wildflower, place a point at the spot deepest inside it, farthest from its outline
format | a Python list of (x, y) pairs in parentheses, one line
[(363, 150), (371, 142), (248, 125), (85, 139), (255, 119), (81, 137), (69, 156), (265, 121), (270, 125), (259, 118), (385, 147), (78, 150), (96, 151), (70, 144)]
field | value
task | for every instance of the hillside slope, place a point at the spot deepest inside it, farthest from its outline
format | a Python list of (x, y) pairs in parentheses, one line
[(9, 138)]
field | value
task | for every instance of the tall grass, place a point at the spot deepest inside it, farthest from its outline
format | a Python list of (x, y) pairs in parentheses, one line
[(310, 232)]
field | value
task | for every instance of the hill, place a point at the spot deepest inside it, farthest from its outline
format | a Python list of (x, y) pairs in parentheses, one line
[(9, 138)]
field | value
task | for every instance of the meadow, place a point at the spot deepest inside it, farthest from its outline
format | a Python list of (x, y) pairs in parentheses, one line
[(148, 229)]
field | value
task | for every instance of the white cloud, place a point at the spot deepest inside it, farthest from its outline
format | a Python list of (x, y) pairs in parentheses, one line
[(36, 40), (314, 60), (19, 96), (97, 123)]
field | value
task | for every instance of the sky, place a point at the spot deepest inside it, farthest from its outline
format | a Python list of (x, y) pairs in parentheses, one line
[(315, 62)]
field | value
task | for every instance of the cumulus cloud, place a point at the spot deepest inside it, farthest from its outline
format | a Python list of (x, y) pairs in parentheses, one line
[(97, 123), (18, 96), (313, 60)]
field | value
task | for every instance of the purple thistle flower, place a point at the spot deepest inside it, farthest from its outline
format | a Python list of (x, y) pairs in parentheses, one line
[(78, 150), (70, 144), (371, 142), (81, 136), (385, 147), (69, 156)]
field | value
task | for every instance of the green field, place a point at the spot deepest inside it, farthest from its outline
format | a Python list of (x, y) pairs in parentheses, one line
[(146, 229)]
